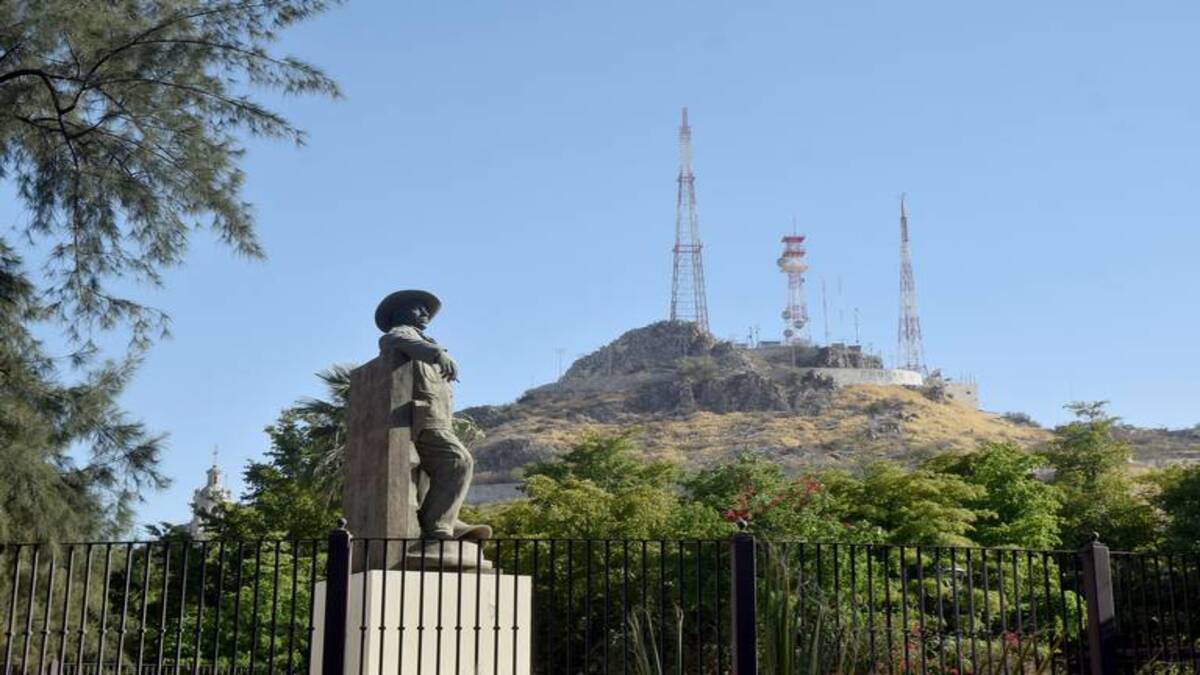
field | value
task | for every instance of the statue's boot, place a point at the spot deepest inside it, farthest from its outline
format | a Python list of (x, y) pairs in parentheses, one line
[(468, 532), (445, 554)]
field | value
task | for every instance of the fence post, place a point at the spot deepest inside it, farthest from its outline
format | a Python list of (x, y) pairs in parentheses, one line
[(1101, 615), (744, 632), (337, 596)]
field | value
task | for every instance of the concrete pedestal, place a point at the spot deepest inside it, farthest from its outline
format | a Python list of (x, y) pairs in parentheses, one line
[(415, 623)]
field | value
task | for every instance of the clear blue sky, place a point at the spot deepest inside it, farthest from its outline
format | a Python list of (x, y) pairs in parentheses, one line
[(519, 159)]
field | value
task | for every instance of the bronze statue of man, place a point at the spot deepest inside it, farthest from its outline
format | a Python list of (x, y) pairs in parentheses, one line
[(403, 317)]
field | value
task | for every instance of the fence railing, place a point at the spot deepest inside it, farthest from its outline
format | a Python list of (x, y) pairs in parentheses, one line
[(560, 606)]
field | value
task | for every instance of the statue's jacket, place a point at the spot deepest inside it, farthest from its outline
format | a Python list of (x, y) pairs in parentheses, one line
[(430, 390)]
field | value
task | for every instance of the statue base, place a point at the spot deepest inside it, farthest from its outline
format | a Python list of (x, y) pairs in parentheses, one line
[(433, 622)]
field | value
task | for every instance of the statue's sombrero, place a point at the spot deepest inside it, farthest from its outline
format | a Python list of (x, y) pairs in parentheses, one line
[(401, 299)]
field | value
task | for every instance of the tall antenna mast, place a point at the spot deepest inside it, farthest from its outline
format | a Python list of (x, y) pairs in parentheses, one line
[(688, 302), (910, 352), (825, 309), (795, 314)]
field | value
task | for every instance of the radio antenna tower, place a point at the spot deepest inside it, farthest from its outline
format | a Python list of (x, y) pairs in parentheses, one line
[(688, 302), (795, 315), (910, 353)]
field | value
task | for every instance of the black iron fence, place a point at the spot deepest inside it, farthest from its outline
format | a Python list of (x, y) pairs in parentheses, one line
[(592, 606)]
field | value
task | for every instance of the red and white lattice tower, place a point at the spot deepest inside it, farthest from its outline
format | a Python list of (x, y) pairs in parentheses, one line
[(688, 302), (910, 353), (795, 315)]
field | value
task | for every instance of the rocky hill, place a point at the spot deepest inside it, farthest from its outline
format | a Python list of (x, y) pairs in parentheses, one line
[(697, 400)]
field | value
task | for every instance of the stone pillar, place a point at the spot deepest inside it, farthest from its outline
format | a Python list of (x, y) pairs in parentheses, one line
[(380, 496)]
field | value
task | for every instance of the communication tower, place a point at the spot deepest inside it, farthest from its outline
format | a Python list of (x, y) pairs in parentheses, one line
[(910, 351), (688, 302), (795, 314)]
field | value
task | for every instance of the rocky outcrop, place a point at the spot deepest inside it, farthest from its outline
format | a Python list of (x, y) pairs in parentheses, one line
[(651, 347)]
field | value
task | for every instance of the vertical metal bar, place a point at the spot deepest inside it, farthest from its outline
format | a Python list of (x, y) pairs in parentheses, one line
[(200, 608), (496, 614), (607, 604), (404, 545), (274, 604), (458, 608), (1062, 602), (1187, 612), (852, 591), (1018, 624), (312, 604), (907, 630), (27, 638), (743, 626), (383, 596), (365, 603), (237, 601), (957, 610), (987, 613), (871, 608), (216, 641), (1171, 607), (1003, 607), (517, 598), (587, 635), (12, 606), (887, 605), (662, 602), (551, 601), (183, 577), (570, 625), (971, 611), (124, 608), (624, 607), (1164, 639), (103, 600), (1080, 609), (837, 603), (1033, 617), (254, 611), (1049, 620), (921, 609), (337, 601), (941, 608), (46, 613), (162, 617), (719, 592), (800, 583), (479, 595), (438, 628), (66, 607)]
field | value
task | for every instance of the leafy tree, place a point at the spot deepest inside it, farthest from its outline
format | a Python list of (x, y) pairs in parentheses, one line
[(610, 461), (1098, 494), (601, 489), (74, 462), (1015, 507), (1179, 499), (118, 133), (755, 492), (916, 506)]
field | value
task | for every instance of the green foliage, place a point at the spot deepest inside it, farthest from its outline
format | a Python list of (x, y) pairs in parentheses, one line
[(1179, 497), (289, 495), (600, 489), (756, 493), (917, 506), (75, 464), (1015, 508), (1098, 494), (120, 135)]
